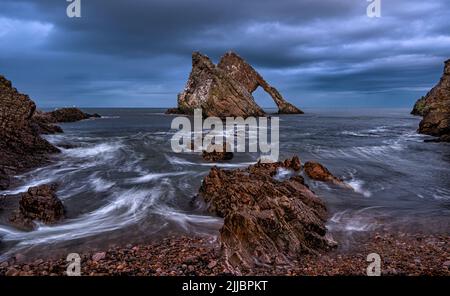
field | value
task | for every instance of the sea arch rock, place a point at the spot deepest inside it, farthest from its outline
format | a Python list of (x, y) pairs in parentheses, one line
[(241, 71), (225, 90)]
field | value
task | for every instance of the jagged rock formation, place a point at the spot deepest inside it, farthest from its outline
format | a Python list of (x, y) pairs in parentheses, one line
[(266, 221), (318, 172), (38, 203), (21, 147), (435, 108), (215, 92), (226, 89), (241, 71)]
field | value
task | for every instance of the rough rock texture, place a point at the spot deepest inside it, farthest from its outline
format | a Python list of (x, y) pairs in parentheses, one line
[(213, 155), (21, 147), (63, 115), (265, 221), (38, 203), (241, 71), (225, 90), (215, 92), (401, 254), (435, 108), (318, 172)]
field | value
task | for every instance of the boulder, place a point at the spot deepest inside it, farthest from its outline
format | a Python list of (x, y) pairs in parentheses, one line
[(318, 172), (225, 90), (266, 221), (38, 203), (435, 108), (21, 146)]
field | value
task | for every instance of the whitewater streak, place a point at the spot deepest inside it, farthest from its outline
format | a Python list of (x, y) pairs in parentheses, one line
[(235, 126)]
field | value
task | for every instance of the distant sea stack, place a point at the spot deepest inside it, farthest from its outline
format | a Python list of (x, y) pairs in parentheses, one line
[(63, 115), (226, 89), (435, 108), (21, 146)]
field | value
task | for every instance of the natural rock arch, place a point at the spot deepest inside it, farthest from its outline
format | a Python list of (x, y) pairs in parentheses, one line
[(226, 89)]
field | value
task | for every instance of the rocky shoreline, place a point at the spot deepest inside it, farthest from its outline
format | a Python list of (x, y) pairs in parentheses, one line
[(401, 254), (21, 126)]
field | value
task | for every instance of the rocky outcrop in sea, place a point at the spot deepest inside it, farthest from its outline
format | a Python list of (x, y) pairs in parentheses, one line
[(267, 220), (225, 90), (435, 109), (38, 204), (21, 146)]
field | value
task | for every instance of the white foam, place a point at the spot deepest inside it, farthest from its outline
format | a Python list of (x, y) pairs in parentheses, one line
[(186, 220), (103, 149), (155, 176), (351, 221), (179, 161), (101, 185), (358, 186), (283, 174), (126, 208)]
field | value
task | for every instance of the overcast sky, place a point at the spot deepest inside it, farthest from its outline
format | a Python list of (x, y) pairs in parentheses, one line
[(137, 53)]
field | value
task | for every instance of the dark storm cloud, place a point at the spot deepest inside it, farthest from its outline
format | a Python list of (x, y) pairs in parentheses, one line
[(137, 53)]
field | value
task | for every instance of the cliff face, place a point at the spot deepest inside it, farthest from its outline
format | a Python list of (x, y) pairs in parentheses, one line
[(226, 89), (21, 147), (435, 108)]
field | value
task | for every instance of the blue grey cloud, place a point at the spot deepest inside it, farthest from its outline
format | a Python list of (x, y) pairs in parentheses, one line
[(137, 53)]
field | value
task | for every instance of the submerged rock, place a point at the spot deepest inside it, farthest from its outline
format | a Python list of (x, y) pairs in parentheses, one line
[(38, 203), (21, 146), (266, 221), (435, 108), (318, 172), (213, 155), (226, 89)]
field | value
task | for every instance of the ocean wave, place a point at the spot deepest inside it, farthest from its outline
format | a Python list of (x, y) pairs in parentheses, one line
[(283, 174), (441, 194), (101, 185), (180, 161), (358, 186), (375, 151), (353, 221), (102, 149), (32, 183), (155, 176), (110, 117), (358, 134), (186, 220), (126, 208)]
